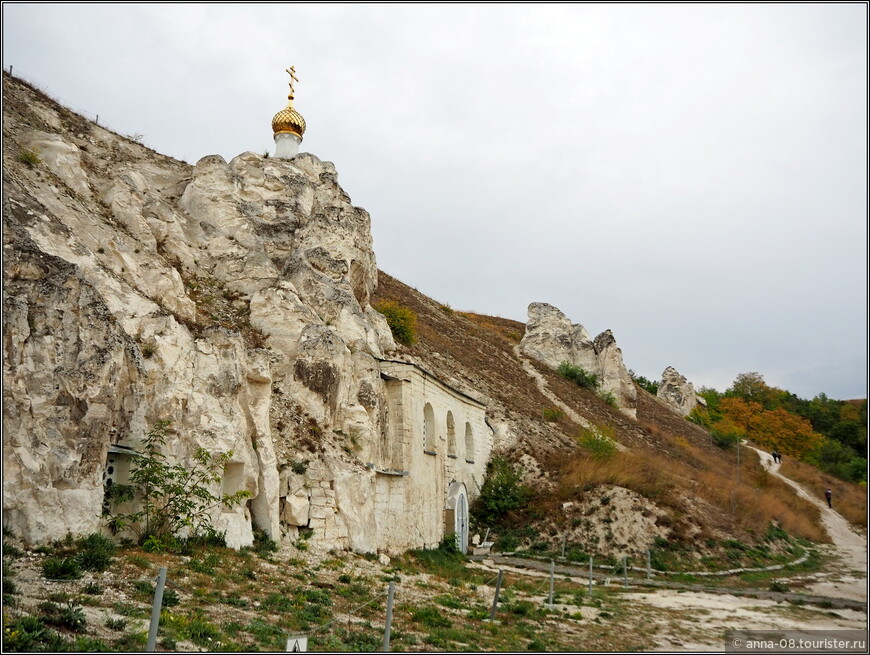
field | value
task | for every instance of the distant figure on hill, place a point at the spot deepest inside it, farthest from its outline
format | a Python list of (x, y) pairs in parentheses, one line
[(828, 495), (775, 456)]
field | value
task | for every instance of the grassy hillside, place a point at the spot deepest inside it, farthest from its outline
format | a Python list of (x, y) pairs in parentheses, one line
[(690, 483)]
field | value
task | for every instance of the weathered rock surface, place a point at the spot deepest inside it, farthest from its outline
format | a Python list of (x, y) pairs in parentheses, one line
[(551, 338), (677, 391), (229, 298)]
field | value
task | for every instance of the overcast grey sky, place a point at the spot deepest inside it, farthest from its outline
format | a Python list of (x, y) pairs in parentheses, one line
[(692, 177)]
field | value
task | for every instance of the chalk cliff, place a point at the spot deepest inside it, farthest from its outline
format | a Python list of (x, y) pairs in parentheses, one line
[(230, 298), (551, 338)]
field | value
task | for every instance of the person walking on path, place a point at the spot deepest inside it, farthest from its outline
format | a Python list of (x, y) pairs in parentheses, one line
[(828, 495)]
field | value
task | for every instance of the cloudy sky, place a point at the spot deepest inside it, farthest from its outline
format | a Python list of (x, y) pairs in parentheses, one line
[(692, 177)]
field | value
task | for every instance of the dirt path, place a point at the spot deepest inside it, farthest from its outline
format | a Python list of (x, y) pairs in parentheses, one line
[(849, 546), (541, 383), (722, 612)]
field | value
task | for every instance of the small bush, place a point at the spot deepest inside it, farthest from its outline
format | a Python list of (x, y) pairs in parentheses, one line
[(598, 441), (30, 158), (70, 616), (57, 568), (402, 321), (10, 550), (116, 624), (96, 552), (449, 601), (170, 598), (502, 491), (92, 589), (645, 383), (30, 634), (264, 546), (724, 437), (609, 398), (552, 414), (430, 617), (580, 376)]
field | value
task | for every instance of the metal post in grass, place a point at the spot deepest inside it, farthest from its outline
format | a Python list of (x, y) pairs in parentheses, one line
[(552, 574), (590, 574), (390, 592), (625, 569), (648, 566), (495, 598), (155, 610)]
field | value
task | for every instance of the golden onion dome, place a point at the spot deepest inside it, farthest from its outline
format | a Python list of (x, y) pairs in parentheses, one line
[(288, 120)]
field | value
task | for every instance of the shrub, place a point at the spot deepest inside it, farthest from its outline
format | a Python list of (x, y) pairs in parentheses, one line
[(194, 626), (174, 496), (552, 414), (430, 617), (264, 546), (61, 568), (92, 589), (598, 441), (723, 436), (116, 624), (170, 598), (645, 383), (402, 321), (609, 398), (502, 491), (582, 377), (30, 634), (96, 552), (30, 158), (70, 616)]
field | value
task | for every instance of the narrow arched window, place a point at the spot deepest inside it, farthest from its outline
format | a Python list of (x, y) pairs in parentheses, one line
[(428, 429), (451, 435), (469, 444)]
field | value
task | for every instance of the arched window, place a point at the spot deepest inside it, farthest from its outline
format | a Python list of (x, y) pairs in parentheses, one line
[(469, 444), (428, 429), (451, 436)]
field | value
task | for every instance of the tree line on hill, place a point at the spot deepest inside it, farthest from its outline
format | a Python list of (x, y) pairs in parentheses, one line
[(830, 434)]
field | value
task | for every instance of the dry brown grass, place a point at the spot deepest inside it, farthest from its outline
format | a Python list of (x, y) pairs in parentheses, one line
[(750, 506), (849, 499)]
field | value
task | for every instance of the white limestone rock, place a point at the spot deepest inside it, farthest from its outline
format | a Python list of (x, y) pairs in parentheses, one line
[(229, 298), (61, 157), (677, 392), (296, 508), (551, 338)]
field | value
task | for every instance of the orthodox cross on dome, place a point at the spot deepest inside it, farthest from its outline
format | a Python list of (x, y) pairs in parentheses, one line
[(288, 125), (292, 72)]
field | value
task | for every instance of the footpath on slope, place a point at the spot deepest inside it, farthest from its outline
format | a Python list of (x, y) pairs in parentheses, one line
[(541, 383), (848, 545), (846, 588)]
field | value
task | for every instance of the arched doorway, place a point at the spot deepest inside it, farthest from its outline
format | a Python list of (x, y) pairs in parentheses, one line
[(456, 515)]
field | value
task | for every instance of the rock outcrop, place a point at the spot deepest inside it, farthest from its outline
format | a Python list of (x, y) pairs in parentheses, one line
[(551, 338), (230, 298), (677, 391)]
